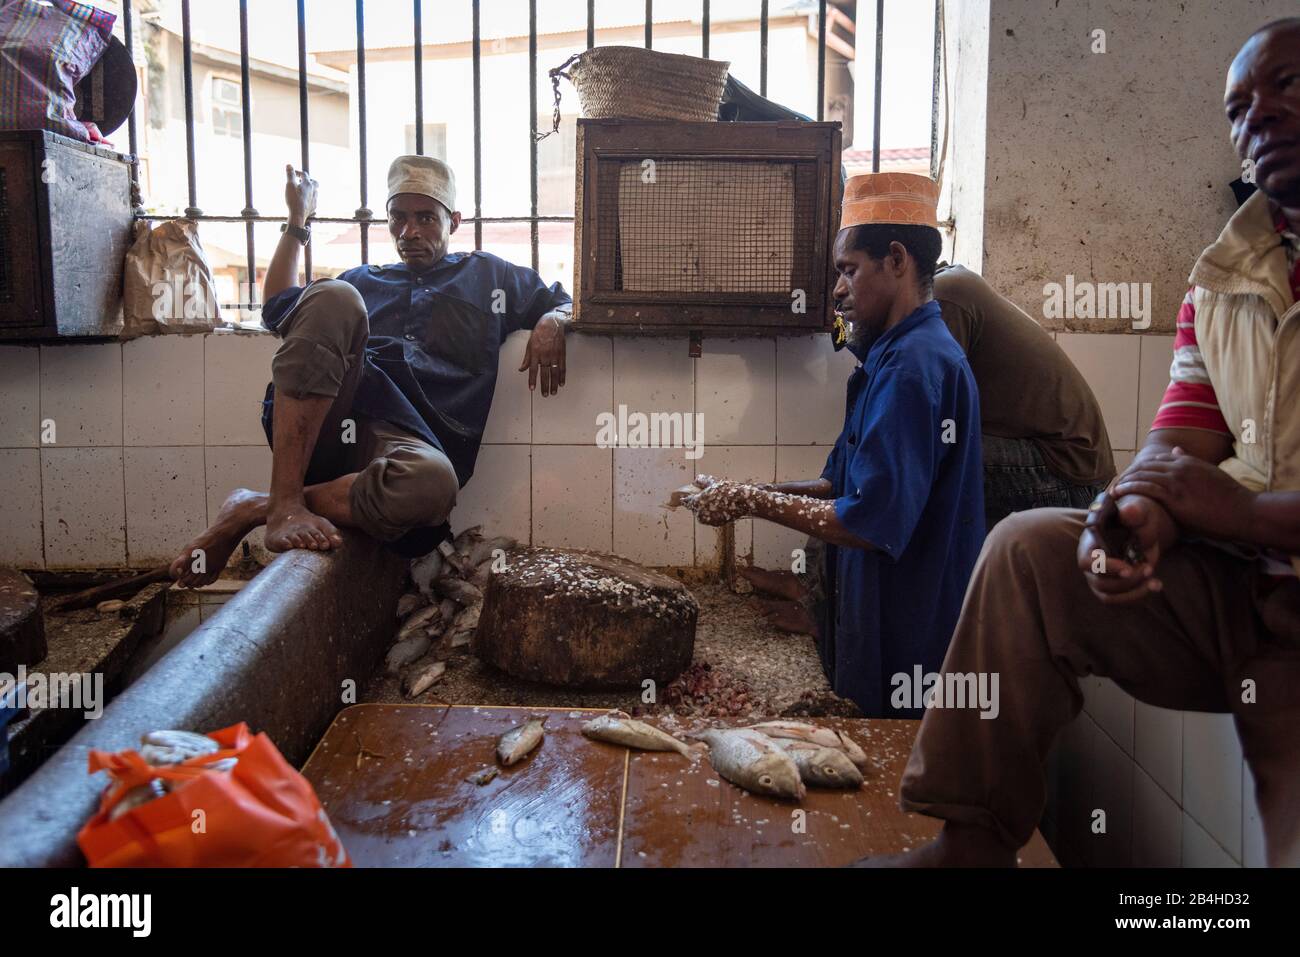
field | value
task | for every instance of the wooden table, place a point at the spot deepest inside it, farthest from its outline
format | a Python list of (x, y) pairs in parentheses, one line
[(393, 780)]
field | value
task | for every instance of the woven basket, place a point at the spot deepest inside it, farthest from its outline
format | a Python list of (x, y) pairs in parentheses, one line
[(643, 84)]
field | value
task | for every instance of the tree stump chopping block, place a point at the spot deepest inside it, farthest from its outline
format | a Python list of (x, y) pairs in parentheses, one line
[(22, 629), (585, 620)]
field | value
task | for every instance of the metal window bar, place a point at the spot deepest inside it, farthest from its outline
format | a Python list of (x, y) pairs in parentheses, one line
[(364, 217), (192, 210), (821, 60), (246, 119), (363, 213), (303, 127), (875, 113), (477, 54), (417, 16), (132, 136)]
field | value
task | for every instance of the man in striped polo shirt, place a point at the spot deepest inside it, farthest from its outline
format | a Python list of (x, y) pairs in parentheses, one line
[(1179, 582)]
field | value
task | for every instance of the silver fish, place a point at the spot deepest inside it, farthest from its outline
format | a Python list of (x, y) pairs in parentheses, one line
[(482, 551), (420, 680), (410, 602), (458, 590), (483, 776), (466, 539), (516, 743), (618, 728), (823, 767), (425, 570), (161, 748), (797, 731), (424, 618), (464, 626), (822, 737), (752, 760), (854, 752), (406, 651)]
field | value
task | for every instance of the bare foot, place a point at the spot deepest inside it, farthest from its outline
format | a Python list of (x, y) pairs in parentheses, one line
[(781, 584), (202, 560), (293, 525), (958, 845), (788, 616)]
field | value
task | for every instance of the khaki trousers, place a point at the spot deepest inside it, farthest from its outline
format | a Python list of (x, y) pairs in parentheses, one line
[(404, 482), (1219, 637)]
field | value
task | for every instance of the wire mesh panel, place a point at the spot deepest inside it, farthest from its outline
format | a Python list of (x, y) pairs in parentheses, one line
[(704, 226), (717, 224)]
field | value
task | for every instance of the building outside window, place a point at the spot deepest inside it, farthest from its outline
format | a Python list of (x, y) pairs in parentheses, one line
[(227, 110), (435, 139)]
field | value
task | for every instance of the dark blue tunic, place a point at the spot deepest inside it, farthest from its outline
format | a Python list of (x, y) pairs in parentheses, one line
[(907, 477), (431, 360)]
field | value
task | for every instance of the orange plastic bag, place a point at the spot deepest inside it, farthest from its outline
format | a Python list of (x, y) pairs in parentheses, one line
[(261, 813)]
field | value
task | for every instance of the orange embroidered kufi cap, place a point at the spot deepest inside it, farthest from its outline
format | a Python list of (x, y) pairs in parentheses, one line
[(899, 198)]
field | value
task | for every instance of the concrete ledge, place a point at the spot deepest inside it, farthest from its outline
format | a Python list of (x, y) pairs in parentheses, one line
[(275, 656)]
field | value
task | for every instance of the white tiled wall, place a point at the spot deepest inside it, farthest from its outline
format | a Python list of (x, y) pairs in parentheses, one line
[(150, 437), (116, 454)]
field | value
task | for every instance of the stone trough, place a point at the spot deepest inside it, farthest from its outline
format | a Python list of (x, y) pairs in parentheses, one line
[(284, 654)]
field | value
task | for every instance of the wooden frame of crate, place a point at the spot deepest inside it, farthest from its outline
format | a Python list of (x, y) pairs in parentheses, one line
[(705, 227)]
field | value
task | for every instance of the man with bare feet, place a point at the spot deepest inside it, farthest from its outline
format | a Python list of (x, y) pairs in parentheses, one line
[(382, 385), (1182, 581)]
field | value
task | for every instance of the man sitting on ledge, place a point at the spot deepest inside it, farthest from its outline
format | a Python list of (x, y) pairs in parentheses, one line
[(382, 386), (1180, 582)]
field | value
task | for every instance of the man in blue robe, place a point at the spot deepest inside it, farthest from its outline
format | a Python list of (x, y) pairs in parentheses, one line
[(900, 503)]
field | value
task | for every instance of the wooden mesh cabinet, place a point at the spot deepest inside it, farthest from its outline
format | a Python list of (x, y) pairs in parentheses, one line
[(717, 228)]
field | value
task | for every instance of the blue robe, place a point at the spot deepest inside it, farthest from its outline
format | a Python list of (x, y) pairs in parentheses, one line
[(431, 359), (906, 475)]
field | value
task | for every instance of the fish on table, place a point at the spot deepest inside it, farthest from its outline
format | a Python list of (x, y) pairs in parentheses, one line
[(517, 743), (753, 761), (811, 734), (821, 767), (619, 728)]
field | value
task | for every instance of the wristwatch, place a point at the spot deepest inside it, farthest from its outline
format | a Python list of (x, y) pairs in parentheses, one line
[(297, 232)]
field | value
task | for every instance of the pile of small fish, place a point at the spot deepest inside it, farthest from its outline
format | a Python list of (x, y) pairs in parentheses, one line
[(441, 614), (776, 758)]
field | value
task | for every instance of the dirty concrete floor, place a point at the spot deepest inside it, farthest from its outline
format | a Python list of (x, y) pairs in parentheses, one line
[(745, 656)]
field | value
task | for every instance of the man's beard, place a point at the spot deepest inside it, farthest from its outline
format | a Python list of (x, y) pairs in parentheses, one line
[(861, 335)]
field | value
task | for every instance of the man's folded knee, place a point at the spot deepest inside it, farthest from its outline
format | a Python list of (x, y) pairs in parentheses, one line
[(331, 312), (337, 297), (1036, 528), (405, 489)]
